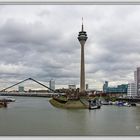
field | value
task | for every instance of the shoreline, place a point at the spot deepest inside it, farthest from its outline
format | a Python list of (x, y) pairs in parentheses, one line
[(70, 104), (28, 95)]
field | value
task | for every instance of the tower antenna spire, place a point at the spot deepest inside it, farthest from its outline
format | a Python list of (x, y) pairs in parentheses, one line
[(82, 25)]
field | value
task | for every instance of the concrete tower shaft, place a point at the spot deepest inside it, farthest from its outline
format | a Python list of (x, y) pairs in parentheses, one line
[(82, 37)]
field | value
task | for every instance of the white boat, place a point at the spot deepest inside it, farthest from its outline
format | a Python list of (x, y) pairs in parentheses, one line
[(7, 99), (138, 104), (113, 103), (127, 104), (95, 107), (105, 103)]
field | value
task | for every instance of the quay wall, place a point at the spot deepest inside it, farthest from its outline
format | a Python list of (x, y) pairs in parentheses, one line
[(135, 100), (48, 95)]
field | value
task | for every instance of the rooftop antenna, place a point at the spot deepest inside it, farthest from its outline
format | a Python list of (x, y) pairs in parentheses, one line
[(82, 25)]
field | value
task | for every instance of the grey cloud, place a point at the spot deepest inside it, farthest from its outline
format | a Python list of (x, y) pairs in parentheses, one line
[(33, 33), (48, 47)]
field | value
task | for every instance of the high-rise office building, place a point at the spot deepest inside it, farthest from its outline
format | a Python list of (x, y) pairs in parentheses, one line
[(86, 86), (131, 90), (137, 80), (82, 37), (52, 84), (105, 86), (21, 89)]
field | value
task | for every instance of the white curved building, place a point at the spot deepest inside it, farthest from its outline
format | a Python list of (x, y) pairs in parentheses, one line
[(131, 90)]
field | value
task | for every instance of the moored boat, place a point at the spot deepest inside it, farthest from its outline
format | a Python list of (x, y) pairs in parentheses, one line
[(138, 104), (3, 104), (94, 107), (94, 104), (120, 103), (7, 99), (127, 104), (133, 104), (105, 103)]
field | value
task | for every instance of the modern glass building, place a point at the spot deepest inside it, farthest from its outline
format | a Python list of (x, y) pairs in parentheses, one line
[(105, 86), (119, 89)]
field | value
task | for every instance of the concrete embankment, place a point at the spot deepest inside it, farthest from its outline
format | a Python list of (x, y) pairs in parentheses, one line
[(70, 104)]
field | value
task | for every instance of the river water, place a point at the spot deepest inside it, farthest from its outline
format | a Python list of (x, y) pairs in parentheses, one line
[(34, 116)]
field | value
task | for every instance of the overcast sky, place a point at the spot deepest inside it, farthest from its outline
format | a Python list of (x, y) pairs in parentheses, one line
[(40, 41)]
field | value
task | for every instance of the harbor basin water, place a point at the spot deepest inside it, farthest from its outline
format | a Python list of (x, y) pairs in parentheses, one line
[(35, 116)]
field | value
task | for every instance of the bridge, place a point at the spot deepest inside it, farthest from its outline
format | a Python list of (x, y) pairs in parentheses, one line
[(3, 92)]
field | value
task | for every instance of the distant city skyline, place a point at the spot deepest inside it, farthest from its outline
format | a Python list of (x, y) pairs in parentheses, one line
[(40, 41)]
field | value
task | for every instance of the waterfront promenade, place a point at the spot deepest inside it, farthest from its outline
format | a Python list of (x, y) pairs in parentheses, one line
[(49, 95), (28, 94)]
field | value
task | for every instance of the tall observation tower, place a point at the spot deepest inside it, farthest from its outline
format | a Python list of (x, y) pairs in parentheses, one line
[(82, 37)]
